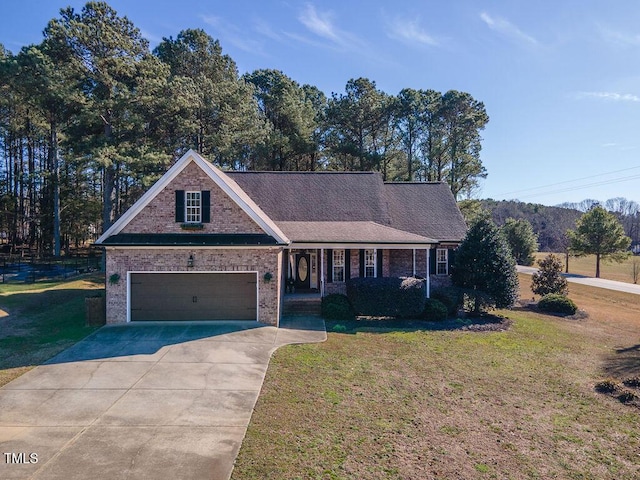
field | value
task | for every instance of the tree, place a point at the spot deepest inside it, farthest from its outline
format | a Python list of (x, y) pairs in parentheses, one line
[(521, 240), (548, 279), (463, 117), (599, 233), (484, 267), (291, 118), (113, 59), (207, 106)]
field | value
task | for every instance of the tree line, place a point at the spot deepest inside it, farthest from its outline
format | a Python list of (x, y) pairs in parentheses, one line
[(91, 117)]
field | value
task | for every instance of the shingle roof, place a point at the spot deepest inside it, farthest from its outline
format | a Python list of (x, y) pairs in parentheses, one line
[(349, 232), (316, 196), (427, 210)]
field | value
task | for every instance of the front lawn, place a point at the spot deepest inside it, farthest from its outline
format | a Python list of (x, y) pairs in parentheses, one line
[(455, 404), (39, 320)]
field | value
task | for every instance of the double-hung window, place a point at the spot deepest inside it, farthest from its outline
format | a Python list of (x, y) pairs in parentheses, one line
[(193, 207), (338, 265), (442, 261), (370, 263)]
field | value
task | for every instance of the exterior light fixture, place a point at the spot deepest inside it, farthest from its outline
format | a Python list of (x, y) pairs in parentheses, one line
[(190, 261)]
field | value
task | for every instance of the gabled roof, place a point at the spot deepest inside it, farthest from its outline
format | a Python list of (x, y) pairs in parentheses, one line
[(428, 210), (436, 213), (228, 185)]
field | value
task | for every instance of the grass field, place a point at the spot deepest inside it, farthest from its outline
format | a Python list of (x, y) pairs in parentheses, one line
[(621, 272), (518, 404), (39, 320)]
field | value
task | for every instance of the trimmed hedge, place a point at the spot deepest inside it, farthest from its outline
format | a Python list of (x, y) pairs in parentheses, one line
[(434, 310), (555, 303), (387, 296), (336, 307)]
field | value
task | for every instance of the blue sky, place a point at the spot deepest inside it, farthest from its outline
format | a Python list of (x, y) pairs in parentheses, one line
[(560, 79)]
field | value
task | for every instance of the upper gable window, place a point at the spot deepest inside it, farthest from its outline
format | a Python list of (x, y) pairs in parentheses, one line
[(193, 207)]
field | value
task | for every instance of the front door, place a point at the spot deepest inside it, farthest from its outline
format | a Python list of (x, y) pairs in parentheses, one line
[(303, 271)]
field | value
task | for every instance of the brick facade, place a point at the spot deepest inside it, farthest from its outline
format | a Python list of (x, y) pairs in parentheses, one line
[(159, 215), (263, 260)]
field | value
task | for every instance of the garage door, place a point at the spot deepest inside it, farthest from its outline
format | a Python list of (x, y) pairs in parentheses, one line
[(193, 296)]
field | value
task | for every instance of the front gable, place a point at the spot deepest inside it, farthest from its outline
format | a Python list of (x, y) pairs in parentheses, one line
[(166, 214), (224, 208)]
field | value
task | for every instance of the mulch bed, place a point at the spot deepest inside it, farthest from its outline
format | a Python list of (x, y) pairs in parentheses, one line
[(484, 323)]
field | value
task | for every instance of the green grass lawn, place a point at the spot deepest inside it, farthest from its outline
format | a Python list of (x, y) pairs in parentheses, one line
[(40, 320), (621, 272), (518, 404)]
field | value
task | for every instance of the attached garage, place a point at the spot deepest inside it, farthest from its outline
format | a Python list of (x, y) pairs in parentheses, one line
[(169, 296)]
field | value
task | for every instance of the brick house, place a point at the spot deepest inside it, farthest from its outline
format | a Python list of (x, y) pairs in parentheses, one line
[(203, 244)]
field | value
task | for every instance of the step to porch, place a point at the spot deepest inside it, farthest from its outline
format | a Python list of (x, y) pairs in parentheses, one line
[(301, 306)]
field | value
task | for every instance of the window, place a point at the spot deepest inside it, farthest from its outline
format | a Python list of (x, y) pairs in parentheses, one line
[(193, 207), (338, 265), (442, 261), (370, 263)]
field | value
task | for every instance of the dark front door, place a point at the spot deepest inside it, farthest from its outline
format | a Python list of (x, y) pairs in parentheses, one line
[(303, 271)]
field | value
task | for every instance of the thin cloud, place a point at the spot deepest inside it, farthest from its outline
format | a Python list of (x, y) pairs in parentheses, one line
[(505, 27), (619, 38), (609, 96), (321, 24), (410, 32), (234, 35)]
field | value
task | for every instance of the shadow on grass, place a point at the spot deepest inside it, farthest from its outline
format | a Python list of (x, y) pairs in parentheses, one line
[(623, 363), (484, 323)]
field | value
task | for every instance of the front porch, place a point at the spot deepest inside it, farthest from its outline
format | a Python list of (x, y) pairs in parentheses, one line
[(325, 269)]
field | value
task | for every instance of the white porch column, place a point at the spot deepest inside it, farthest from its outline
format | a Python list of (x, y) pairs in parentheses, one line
[(428, 273), (322, 272)]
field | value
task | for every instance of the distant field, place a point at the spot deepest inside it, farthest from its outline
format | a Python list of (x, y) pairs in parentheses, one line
[(620, 272)]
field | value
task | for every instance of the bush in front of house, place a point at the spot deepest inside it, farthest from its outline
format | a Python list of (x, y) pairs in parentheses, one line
[(387, 296), (336, 307), (451, 297), (554, 303), (434, 310)]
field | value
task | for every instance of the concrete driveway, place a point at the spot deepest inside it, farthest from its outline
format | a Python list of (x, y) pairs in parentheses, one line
[(151, 401), (590, 281)]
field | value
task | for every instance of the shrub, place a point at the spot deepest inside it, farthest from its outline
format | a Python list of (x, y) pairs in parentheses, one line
[(549, 278), (336, 307), (451, 297), (627, 397), (387, 296), (434, 310), (607, 386), (555, 303), (633, 382)]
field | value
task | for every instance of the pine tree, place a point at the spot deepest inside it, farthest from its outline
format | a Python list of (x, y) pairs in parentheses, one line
[(485, 268)]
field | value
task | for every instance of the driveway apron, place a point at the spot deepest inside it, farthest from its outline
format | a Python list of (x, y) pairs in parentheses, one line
[(150, 401)]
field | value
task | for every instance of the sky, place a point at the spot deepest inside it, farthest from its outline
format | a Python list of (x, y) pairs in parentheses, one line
[(560, 79)]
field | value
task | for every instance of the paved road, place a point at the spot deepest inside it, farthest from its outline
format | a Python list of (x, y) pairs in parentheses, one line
[(152, 401), (593, 282)]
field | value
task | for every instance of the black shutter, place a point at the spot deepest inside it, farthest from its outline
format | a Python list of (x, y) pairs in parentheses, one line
[(432, 260), (206, 206), (329, 266), (379, 263), (347, 265), (179, 205), (362, 263)]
